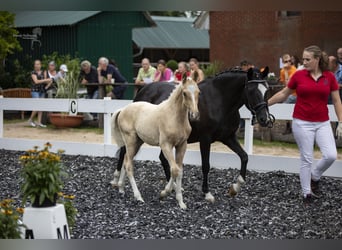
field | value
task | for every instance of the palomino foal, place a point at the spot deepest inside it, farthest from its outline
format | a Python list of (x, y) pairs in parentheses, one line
[(166, 125)]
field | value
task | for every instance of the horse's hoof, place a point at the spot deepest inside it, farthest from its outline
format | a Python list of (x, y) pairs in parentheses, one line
[(163, 194), (114, 184), (232, 192), (121, 191), (140, 199), (182, 205), (209, 197)]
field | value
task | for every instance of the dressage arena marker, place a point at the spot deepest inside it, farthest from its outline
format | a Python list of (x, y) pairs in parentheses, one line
[(46, 223), (225, 159)]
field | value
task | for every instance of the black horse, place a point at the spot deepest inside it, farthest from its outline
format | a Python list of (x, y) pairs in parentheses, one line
[(220, 100)]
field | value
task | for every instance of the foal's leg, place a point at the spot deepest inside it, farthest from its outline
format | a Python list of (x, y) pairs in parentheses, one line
[(233, 143), (180, 151), (133, 145), (117, 171), (165, 165), (205, 144), (168, 154)]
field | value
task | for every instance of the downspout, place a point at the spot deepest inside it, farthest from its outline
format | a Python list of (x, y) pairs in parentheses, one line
[(139, 53)]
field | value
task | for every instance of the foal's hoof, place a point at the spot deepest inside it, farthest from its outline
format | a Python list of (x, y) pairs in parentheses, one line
[(140, 200), (114, 184), (209, 197), (232, 192), (182, 205)]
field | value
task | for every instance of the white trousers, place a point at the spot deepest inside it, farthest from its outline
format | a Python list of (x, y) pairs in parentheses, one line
[(305, 134)]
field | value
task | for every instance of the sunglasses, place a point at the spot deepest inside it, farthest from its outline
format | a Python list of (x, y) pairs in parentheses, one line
[(287, 61)]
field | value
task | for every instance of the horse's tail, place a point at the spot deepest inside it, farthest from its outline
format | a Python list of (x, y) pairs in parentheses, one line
[(116, 129)]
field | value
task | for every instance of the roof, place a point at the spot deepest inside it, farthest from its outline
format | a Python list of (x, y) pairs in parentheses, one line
[(50, 18), (172, 33)]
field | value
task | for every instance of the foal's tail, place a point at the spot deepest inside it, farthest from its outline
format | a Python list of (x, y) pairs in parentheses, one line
[(116, 129)]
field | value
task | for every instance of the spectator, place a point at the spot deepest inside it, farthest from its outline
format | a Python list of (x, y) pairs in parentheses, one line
[(285, 73), (51, 73), (339, 57), (39, 85), (296, 62), (195, 72), (63, 69), (89, 74), (311, 119), (146, 73), (163, 73), (108, 73), (181, 72)]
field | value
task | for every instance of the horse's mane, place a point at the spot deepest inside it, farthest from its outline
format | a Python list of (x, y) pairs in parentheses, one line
[(233, 70), (174, 94)]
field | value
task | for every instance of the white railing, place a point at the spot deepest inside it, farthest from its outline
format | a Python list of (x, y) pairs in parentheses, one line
[(107, 107)]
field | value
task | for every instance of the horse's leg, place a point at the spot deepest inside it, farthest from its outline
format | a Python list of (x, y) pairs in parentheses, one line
[(133, 144), (122, 176), (117, 171), (180, 151), (233, 143), (205, 144), (165, 165), (168, 153)]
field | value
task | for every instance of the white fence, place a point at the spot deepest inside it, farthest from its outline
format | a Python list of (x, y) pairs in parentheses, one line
[(107, 107)]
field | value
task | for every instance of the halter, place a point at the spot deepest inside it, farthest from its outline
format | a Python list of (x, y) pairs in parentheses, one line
[(254, 110)]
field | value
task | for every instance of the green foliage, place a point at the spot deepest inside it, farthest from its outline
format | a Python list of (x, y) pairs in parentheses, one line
[(212, 69), (8, 42), (68, 87), (10, 227), (70, 210), (73, 64), (172, 64), (42, 174)]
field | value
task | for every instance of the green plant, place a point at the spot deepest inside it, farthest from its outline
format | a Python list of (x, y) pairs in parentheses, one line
[(70, 210), (10, 226), (42, 174), (67, 87), (212, 69), (172, 64)]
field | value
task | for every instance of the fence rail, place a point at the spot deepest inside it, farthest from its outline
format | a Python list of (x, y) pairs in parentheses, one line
[(107, 107)]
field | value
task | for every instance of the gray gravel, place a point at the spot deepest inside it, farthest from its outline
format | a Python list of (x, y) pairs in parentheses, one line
[(269, 206)]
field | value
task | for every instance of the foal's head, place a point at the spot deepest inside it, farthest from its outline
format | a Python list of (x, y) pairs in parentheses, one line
[(190, 97)]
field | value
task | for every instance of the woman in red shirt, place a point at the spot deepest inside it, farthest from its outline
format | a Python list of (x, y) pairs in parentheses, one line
[(310, 117), (181, 71)]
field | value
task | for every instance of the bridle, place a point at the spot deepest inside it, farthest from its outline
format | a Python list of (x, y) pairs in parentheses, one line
[(255, 109)]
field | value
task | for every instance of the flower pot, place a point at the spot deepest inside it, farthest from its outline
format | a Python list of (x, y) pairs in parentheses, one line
[(46, 202), (65, 121)]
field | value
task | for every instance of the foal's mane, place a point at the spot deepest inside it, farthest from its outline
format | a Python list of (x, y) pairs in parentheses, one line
[(174, 94)]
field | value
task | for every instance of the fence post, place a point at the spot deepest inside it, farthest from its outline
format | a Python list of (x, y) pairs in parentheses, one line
[(1, 121), (107, 130), (248, 141)]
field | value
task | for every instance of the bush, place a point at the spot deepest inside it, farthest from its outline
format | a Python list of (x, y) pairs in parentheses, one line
[(212, 69), (172, 64)]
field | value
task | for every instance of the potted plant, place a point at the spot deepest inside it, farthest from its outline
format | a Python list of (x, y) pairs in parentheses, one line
[(10, 224), (42, 174), (67, 88)]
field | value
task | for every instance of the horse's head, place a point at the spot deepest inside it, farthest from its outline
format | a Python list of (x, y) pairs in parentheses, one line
[(190, 97), (256, 88)]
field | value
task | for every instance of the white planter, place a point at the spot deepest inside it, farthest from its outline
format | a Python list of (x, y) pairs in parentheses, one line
[(46, 223)]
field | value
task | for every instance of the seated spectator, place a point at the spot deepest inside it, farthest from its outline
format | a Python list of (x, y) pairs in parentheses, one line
[(181, 72), (163, 73), (108, 73), (52, 74), (89, 74), (146, 73), (195, 72)]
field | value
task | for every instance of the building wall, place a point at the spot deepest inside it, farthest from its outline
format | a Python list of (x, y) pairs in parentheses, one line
[(263, 36)]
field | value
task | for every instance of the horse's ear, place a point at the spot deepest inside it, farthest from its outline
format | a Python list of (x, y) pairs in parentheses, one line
[(265, 72), (184, 77), (250, 73)]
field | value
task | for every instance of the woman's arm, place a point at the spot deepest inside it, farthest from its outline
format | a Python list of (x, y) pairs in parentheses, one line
[(336, 100), (36, 81), (281, 96)]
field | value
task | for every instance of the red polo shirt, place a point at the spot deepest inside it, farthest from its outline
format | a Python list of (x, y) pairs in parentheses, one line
[(312, 96)]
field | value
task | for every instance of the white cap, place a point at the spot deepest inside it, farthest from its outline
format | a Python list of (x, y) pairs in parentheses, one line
[(64, 68)]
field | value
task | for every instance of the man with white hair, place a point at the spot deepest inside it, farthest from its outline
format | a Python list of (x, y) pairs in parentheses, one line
[(89, 74), (107, 72)]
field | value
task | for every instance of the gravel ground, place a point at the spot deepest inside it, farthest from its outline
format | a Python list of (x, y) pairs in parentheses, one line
[(269, 206)]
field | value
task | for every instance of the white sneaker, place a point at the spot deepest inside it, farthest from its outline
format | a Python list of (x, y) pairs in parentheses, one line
[(42, 125), (32, 123)]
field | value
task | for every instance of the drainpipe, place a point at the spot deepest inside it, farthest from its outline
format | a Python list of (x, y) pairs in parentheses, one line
[(139, 53)]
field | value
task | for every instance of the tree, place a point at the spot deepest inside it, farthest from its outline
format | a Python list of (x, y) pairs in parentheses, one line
[(8, 42)]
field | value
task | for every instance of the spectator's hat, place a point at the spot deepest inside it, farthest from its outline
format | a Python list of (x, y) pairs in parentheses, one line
[(64, 68)]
